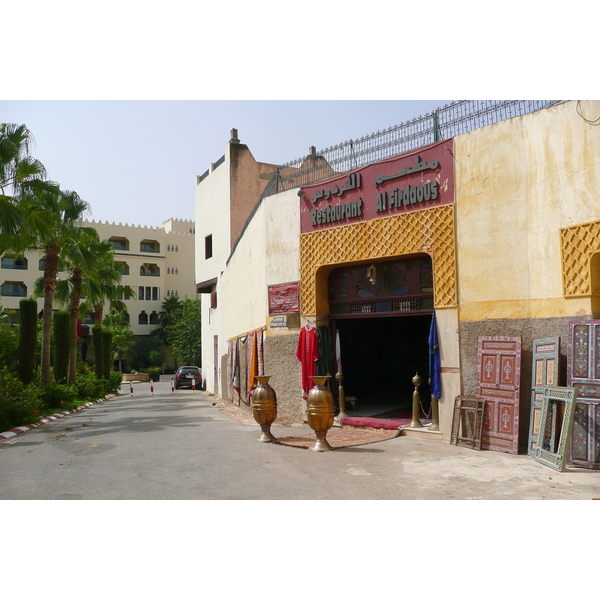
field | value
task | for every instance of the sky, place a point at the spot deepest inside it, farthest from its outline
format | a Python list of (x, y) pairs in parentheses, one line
[(136, 161)]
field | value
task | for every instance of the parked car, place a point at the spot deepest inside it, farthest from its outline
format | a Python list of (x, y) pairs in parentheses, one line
[(185, 375)]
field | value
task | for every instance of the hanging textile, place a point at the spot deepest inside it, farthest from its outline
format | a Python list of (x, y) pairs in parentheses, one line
[(243, 377), (338, 351), (259, 352), (252, 362), (307, 352), (229, 367), (434, 361), (325, 354), (235, 373)]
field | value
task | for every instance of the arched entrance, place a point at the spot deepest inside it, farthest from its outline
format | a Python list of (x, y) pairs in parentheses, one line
[(383, 312)]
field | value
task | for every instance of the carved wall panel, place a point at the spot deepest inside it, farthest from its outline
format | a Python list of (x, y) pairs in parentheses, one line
[(578, 245), (430, 231)]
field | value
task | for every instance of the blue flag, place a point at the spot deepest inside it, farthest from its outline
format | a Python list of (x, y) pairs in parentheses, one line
[(434, 361)]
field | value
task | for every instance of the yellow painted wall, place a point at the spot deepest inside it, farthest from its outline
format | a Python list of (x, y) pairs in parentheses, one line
[(519, 182)]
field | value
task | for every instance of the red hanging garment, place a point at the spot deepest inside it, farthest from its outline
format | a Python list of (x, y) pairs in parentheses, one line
[(307, 352)]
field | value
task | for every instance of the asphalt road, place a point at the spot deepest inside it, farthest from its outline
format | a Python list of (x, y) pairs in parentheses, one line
[(179, 446)]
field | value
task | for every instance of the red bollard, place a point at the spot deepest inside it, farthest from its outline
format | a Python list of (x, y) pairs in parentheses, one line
[(194, 384), (152, 387), (172, 384), (131, 387)]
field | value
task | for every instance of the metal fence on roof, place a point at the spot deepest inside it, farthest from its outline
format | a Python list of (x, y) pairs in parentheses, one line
[(444, 123)]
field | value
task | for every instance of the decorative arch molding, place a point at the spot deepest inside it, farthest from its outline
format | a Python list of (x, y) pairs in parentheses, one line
[(429, 231), (580, 249)]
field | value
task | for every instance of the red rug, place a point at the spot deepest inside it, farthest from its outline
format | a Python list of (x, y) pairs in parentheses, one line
[(340, 438), (377, 422)]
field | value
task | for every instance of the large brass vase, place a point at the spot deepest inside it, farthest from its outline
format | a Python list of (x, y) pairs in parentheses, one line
[(321, 412), (264, 407)]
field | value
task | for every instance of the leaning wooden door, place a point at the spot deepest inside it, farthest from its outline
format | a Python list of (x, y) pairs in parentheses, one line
[(583, 372), (498, 381), (545, 373)]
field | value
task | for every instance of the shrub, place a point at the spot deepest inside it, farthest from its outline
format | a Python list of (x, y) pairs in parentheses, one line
[(9, 342), (114, 382), (153, 373), (97, 340), (106, 352), (27, 339), (19, 403), (55, 394), (62, 345), (89, 387)]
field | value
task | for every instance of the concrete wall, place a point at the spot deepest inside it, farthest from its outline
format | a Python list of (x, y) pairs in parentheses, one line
[(517, 183)]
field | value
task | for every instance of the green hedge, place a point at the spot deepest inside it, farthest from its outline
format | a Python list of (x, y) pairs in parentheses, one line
[(20, 404)]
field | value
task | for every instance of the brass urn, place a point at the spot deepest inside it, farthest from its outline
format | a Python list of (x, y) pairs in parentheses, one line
[(264, 407), (321, 412)]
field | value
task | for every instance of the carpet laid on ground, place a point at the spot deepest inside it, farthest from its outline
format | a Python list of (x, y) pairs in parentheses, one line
[(342, 438), (381, 423)]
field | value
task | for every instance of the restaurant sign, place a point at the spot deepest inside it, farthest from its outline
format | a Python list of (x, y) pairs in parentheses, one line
[(413, 181)]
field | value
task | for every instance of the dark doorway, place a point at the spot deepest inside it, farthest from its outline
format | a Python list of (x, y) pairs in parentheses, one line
[(380, 356)]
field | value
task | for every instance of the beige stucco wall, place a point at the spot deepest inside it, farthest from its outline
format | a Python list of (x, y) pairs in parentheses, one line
[(267, 254), (175, 233), (518, 182)]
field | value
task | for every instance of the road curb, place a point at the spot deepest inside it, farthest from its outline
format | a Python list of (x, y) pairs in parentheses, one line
[(24, 428)]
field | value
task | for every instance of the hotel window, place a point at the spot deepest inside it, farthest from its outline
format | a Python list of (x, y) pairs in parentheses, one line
[(148, 270), (143, 318), (11, 262), (149, 246), (123, 267), (153, 318), (208, 249), (140, 293), (14, 288), (119, 243)]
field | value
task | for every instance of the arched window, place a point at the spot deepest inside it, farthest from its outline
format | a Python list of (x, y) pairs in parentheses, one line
[(123, 267), (153, 318), (143, 318), (150, 270), (176, 271), (149, 246), (119, 243), (12, 262), (14, 288), (168, 270)]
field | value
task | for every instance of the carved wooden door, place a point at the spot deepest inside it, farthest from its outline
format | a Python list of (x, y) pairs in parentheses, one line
[(545, 373), (583, 372), (498, 381)]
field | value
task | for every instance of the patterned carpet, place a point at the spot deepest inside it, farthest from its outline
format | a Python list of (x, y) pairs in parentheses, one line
[(342, 438)]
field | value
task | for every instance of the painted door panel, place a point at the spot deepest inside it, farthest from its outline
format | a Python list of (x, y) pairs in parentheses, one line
[(498, 381), (583, 372), (545, 373)]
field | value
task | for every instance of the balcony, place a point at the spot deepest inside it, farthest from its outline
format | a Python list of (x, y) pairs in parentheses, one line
[(150, 246)]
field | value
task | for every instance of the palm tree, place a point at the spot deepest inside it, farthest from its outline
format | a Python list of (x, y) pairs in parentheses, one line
[(104, 285), (171, 307), (81, 260), (51, 225), (122, 336), (19, 172)]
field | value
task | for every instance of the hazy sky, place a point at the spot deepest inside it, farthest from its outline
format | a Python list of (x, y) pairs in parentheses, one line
[(136, 161)]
